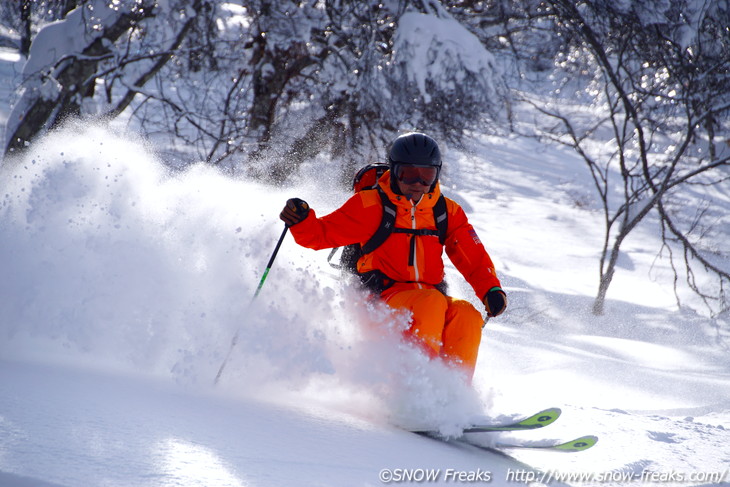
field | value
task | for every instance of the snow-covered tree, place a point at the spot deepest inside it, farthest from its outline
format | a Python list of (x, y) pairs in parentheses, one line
[(657, 73), (263, 85), (62, 69), (372, 70)]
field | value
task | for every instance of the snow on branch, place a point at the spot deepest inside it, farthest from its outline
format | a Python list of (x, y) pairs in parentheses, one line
[(444, 52), (63, 59)]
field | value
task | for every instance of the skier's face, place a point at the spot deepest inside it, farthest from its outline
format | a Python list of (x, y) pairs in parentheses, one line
[(415, 181), (413, 191)]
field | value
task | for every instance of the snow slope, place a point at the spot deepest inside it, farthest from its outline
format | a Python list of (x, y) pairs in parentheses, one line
[(124, 283), (84, 428)]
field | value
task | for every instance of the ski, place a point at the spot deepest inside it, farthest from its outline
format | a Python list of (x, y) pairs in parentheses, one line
[(537, 420), (579, 444)]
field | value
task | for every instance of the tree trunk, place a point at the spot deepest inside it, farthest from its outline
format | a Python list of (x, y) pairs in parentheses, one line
[(75, 76), (25, 34)]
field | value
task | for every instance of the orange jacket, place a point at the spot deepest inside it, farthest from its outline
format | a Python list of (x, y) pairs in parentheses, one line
[(403, 257)]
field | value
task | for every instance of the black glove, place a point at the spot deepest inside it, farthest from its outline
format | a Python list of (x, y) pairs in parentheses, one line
[(495, 301), (294, 212)]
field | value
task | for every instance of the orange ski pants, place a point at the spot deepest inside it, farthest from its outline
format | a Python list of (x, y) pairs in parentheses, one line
[(441, 325)]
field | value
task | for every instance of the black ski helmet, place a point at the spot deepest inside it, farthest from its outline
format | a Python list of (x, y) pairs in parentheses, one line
[(414, 148)]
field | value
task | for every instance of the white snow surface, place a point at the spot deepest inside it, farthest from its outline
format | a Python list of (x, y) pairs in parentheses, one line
[(123, 284)]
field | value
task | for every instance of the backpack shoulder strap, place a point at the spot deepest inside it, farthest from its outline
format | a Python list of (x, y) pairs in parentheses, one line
[(387, 223), (441, 217)]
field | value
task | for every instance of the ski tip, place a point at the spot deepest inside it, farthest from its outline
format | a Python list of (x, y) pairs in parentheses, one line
[(549, 415), (579, 444), (541, 419), (537, 420)]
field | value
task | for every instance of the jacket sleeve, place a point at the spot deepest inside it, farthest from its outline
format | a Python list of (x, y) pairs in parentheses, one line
[(468, 254), (354, 222)]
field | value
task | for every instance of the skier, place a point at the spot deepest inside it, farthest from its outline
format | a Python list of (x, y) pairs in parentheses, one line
[(406, 270)]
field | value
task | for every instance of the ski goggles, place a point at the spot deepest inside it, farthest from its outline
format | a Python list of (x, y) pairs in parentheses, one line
[(410, 174)]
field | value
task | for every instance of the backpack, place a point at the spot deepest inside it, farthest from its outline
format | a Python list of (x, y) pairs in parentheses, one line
[(367, 178)]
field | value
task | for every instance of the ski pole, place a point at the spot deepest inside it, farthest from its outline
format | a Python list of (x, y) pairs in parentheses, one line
[(234, 340)]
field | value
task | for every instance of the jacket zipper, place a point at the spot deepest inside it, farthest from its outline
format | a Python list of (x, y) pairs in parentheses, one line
[(412, 257)]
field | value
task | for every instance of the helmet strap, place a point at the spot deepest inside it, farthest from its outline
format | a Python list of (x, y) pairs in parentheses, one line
[(394, 179)]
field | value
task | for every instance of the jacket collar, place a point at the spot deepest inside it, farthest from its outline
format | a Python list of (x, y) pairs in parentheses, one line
[(427, 201)]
